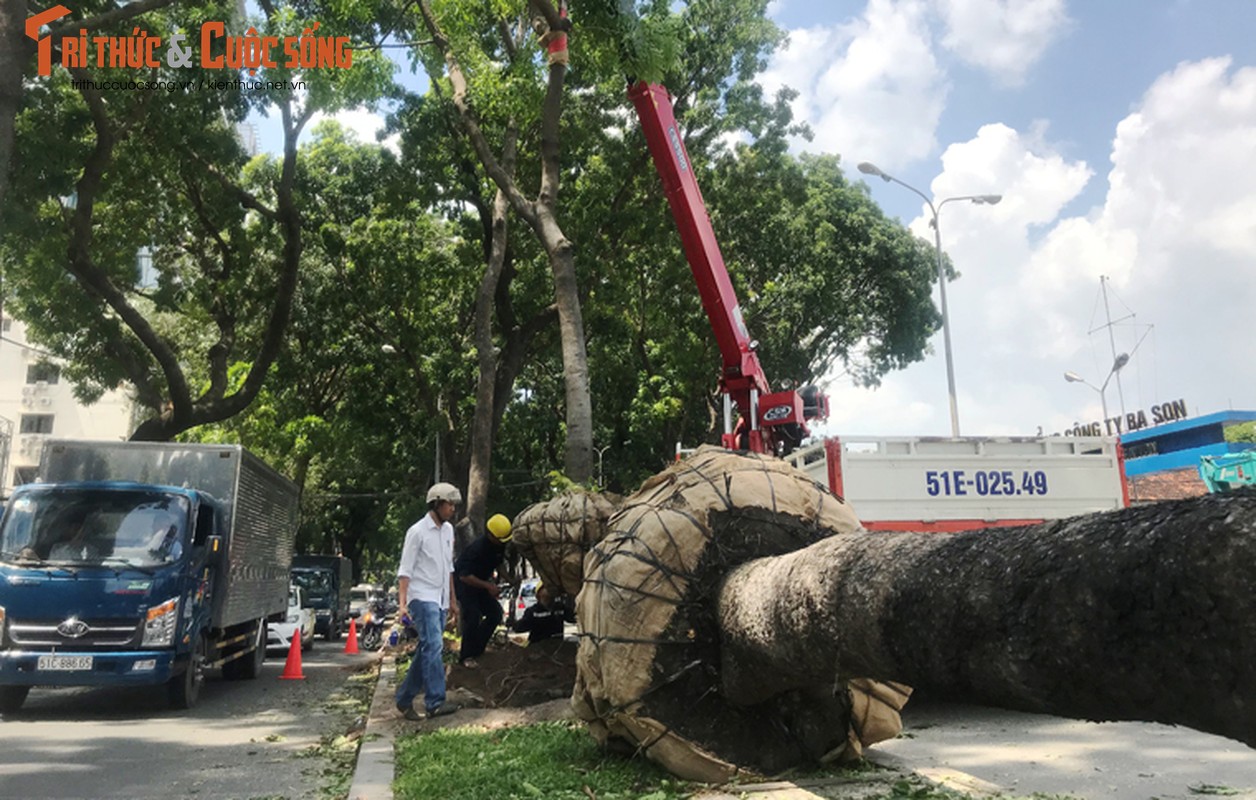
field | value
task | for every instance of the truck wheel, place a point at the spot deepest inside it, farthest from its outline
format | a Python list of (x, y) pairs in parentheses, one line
[(248, 666), (307, 645), (12, 698), (185, 689)]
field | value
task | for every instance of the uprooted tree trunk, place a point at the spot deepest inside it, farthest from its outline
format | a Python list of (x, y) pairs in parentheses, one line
[(733, 604)]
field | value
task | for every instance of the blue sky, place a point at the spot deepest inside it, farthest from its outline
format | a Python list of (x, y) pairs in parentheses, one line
[(1122, 136)]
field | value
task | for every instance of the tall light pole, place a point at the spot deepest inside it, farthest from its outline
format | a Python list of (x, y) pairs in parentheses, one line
[(1118, 362), (979, 199)]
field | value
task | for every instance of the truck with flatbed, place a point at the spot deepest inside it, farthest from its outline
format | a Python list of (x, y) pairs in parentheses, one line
[(936, 484), (135, 563)]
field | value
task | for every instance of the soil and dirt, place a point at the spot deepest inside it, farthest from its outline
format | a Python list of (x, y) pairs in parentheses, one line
[(511, 676)]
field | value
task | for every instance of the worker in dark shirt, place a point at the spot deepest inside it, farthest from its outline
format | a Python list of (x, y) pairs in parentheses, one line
[(477, 591), (544, 618)]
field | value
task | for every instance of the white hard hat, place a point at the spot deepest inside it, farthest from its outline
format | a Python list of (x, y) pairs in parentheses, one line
[(444, 491)]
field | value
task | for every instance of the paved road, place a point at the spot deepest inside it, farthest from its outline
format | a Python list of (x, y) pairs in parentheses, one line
[(1026, 753), (243, 740)]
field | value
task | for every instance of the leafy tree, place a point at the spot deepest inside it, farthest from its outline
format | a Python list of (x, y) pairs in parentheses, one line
[(98, 183)]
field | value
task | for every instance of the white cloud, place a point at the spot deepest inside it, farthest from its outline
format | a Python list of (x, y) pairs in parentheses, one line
[(1175, 234), (871, 86), (1003, 37)]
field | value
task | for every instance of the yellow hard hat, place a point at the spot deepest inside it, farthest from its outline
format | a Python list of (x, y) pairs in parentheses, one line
[(499, 526)]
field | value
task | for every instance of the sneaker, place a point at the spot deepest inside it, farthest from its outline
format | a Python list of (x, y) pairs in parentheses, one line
[(409, 713), (469, 663), (443, 709)]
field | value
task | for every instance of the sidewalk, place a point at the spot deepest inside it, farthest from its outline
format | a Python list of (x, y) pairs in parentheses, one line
[(373, 775), (982, 752)]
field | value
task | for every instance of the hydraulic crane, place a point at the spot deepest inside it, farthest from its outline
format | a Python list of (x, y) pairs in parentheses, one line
[(766, 421)]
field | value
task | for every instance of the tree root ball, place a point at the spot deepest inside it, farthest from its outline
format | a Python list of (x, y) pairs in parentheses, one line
[(648, 668), (554, 536)]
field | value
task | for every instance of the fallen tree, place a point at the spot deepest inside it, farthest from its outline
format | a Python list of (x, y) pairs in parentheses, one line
[(733, 602)]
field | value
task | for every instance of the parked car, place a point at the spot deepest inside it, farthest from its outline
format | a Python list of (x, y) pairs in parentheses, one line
[(527, 596), (360, 599), (298, 622)]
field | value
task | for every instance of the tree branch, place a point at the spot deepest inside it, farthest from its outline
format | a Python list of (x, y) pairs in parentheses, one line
[(522, 206)]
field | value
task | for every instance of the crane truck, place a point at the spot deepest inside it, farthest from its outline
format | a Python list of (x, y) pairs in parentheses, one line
[(902, 483)]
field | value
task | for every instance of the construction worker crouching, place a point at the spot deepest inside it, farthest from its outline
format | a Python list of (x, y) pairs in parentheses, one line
[(477, 590)]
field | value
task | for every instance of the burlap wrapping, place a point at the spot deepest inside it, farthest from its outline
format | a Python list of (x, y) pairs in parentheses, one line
[(649, 650), (555, 535)]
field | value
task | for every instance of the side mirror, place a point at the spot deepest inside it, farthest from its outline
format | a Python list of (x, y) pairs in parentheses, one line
[(215, 549)]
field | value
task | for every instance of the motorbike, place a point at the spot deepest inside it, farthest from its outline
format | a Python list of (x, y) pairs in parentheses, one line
[(371, 631)]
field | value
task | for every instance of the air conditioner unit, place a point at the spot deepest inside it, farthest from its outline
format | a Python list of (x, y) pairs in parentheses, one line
[(28, 390), (45, 401), (28, 401), (41, 384)]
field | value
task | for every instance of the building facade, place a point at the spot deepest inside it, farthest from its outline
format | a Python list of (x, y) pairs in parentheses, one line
[(1162, 463), (37, 403)]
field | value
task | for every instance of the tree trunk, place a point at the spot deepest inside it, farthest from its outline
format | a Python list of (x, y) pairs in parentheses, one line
[(734, 603), (482, 423), (578, 455), (15, 49), (1143, 614)]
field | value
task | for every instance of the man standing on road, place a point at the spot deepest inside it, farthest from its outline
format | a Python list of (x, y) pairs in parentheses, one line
[(425, 584), (477, 590)]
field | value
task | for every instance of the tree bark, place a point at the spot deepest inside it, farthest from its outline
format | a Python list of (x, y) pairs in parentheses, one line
[(1143, 614), (482, 427), (541, 217), (15, 51)]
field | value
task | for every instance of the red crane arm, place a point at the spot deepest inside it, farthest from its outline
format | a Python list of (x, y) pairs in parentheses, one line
[(741, 366)]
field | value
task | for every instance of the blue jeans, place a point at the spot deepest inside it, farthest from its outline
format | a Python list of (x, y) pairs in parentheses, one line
[(426, 675)]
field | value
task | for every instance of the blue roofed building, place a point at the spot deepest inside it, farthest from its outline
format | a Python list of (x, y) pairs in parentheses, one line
[(1162, 462)]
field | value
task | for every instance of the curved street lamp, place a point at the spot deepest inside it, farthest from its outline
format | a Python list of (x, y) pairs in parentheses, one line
[(1120, 361), (978, 199)]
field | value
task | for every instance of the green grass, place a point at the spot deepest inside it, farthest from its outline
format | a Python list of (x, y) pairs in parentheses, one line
[(551, 760)]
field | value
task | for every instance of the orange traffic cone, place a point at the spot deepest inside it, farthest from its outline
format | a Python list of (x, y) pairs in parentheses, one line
[(351, 641), (292, 668)]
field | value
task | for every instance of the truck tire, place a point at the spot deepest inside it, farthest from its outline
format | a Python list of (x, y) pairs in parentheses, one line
[(12, 698), (185, 689), (248, 666)]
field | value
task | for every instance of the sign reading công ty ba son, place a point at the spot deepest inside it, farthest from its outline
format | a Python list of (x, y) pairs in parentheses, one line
[(141, 49)]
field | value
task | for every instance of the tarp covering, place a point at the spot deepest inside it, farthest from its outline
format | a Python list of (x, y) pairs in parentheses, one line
[(649, 652), (555, 535)]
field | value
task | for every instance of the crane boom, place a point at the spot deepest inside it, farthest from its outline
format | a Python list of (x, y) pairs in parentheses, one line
[(769, 422)]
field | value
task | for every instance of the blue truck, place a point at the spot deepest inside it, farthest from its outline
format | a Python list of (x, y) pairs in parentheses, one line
[(326, 580), (133, 563)]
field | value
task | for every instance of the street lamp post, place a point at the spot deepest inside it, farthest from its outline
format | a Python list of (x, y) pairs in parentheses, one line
[(1120, 361), (978, 199)]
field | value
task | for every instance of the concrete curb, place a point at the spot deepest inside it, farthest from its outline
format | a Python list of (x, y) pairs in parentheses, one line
[(375, 768)]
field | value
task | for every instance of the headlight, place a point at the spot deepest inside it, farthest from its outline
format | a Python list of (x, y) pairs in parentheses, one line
[(160, 624)]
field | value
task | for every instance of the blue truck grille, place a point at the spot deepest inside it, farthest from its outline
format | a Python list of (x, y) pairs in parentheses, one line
[(99, 633)]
